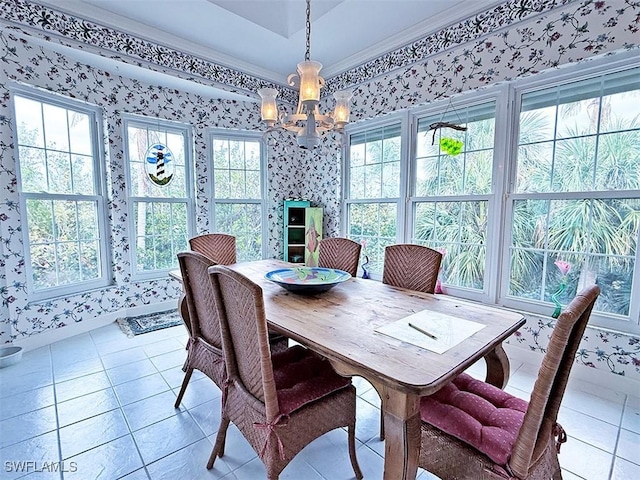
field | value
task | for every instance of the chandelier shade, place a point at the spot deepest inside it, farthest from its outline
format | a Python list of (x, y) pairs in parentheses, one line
[(269, 109), (341, 113), (306, 122)]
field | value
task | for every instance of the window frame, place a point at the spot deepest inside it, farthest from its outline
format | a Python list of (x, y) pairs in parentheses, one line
[(469, 100), (99, 197), (241, 135), (171, 127), (507, 97), (403, 119), (627, 324)]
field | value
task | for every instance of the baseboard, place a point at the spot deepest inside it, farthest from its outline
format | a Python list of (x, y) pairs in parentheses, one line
[(54, 335), (600, 377)]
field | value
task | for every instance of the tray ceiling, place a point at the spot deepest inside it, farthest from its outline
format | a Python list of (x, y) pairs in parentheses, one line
[(266, 38)]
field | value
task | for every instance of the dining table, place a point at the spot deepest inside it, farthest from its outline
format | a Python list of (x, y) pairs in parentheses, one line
[(341, 325)]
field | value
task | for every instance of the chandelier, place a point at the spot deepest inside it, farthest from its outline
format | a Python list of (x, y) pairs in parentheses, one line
[(306, 122)]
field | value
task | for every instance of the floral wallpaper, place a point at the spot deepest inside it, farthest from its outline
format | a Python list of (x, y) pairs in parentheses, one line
[(615, 352), (579, 31), (85, 35), (489, 22), (21, 61), (514, 39), (575, 32)]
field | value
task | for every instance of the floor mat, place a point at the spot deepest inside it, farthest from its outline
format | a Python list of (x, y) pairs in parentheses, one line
[(132, 326)]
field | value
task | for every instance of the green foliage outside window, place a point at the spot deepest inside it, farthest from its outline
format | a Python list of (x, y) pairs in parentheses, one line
[(573, 198), (374, 182), (593, 146), (58, 183), (160, 214), (237, 194)]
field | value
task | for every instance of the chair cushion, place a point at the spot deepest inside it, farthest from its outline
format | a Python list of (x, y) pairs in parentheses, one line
[(302, 377), (477, 413)]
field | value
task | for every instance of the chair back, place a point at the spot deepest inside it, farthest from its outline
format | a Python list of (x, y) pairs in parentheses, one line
[(245, 340), (548, 390), (410, 266), (219, 247), (198, 291), (340, 253)]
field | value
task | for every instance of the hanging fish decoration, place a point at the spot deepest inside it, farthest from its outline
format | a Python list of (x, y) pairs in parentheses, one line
[(312, 243)]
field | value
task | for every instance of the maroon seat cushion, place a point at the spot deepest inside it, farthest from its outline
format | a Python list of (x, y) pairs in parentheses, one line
[(302, 377), (477, 413)]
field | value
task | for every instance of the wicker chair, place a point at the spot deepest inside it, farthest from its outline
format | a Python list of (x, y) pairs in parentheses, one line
[(204, 348), (471, 429), (340, 253), (410, 266), (205, 343), (413, 267), (279, 402), (219, 247)]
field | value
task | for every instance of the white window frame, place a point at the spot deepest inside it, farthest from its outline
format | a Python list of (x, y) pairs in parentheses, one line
[(99, 197), (403, 119), (499, 96), (630, 323), (241, 135), (505, 149), (188, 200)]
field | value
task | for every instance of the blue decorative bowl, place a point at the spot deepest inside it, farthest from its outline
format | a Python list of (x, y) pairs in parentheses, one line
[(307, 280)]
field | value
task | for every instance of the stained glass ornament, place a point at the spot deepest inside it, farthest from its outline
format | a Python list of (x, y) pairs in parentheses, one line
[(159, 164)]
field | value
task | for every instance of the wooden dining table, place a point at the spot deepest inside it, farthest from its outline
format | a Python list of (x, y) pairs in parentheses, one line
[(340, 325)]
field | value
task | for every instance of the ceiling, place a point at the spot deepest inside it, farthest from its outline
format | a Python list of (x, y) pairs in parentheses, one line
[(266, 38)]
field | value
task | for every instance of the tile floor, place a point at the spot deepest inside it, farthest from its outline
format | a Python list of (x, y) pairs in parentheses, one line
[(103, 404)]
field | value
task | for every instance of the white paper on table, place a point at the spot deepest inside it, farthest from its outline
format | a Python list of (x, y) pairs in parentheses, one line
[(448, 330)]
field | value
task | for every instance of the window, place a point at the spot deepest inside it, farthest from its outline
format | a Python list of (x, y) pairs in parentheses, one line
[(160, 187), (549, 171), (61, 192), (374, 189), (575, 195), (451, 198), (238, 205)]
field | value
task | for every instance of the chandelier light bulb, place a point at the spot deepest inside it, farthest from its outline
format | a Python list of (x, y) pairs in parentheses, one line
[(310, 82)]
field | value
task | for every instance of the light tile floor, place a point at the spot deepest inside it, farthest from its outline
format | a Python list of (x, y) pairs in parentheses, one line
[(103, 404)]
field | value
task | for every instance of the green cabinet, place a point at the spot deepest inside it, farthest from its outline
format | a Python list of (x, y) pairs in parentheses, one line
[(302, 232)]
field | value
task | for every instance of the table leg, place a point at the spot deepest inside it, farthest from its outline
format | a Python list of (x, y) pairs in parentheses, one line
[(497, 367), (402, 434), (401, 426)]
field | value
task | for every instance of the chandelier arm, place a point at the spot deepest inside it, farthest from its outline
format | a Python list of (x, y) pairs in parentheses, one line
[(325, 122), (294, 117)]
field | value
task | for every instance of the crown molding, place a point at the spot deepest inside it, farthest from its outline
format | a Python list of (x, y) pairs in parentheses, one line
[(463, 10), (184, 59), (104, 17), (54, 25)]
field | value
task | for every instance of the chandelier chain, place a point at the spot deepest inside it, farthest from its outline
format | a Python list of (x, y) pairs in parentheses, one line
[(307, 55)]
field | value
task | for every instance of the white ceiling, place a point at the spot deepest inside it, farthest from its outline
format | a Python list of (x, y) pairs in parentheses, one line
[(266, 38)]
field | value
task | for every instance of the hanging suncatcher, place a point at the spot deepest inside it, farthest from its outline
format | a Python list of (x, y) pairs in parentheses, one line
[(159, 164), (448, 145)]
